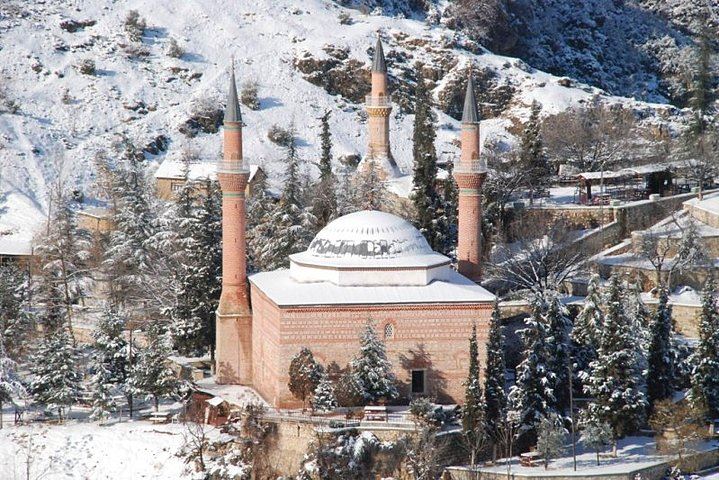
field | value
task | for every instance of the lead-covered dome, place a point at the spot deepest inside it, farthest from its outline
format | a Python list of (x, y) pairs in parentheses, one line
[(369, 248)]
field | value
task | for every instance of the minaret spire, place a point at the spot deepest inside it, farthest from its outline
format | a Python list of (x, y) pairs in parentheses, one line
[(378, 63), (470, 174), (234, 317)]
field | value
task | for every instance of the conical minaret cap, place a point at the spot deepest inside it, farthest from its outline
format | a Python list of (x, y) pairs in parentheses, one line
[(232, 112), (470, 113), (378, 64)]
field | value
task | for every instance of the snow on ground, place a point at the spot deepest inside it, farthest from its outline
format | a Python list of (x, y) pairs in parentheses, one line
[(84, 450), (50, 142)]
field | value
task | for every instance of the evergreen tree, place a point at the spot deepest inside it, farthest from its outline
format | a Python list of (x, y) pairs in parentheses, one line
[(595, 435), (150, 375), (532, 156), (324, 206), (473, 411), (559, 326), (495, 397), (11, 386), (614, 383), (55, 377), (532, 397), (346, 191), (111, 348), (426, 200), (372, 369), (16, 321), (587, 329), (305, 374), (102, 385), (369, 191), (259, 225), (550, 437), (449, 214), (324, 399), (704, 391), (701, 88), (660, 376), (64, 252)]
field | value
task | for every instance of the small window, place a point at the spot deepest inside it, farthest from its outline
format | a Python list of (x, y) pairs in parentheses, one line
[(388, 331), (175, 187), (418, 383)]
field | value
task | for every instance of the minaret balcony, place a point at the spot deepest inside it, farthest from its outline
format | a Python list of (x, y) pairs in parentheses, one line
[(383, 101), (472, 166), (233, 166)]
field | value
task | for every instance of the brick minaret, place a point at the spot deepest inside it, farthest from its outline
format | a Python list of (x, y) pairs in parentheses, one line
[(379, 107), (234, 317), (470, 174)]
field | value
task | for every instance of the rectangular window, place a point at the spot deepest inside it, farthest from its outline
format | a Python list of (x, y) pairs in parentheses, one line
[(418, 381), (175, 187)]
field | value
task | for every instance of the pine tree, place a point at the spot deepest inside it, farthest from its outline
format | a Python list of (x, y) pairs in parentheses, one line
[(55, 377), (372, 369), (150, 375), (704, 391), (587, 329), (550, 437), (305, 374), (660, 376), (111, 348), (16, 320), (64, 252), (615, 381), (449, 214), (595, 435), (259, 225), (323, 398), (558, 343), (532, 154), (102, 385), (369, 191), (426, 200), (11, 386), (324, 205), (473, 411), (532, 397), (495, 397)]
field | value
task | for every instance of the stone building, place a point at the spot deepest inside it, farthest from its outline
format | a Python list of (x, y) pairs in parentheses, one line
[(170, 177), (365, 266)]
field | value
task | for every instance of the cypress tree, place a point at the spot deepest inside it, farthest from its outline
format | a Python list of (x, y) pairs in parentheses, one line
[(473, 419), (532, 154), (324, 197), (495, 397), (426, 200), (587, 329), (660, 374), (449, 217), (558, 343), (704, 391)]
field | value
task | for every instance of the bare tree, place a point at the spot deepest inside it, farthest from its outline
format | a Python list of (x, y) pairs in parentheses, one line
[(679, 427), (195, 444)]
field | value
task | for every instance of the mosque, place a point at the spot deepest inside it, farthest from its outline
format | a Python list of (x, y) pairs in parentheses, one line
[(367, 265)]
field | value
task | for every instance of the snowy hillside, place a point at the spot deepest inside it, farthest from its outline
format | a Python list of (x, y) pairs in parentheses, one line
[(64, 118)]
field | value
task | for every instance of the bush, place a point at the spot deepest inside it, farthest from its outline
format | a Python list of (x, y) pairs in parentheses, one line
[(134, 26), (280, 136), (205, 118), (136, 52), (7, 104), (344, 18), (86, 67), (73, 26), (248, 95), (174, 49)]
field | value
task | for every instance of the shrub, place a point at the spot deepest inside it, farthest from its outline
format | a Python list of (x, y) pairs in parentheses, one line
[(136, 52), (174, 49), (134, 26), (248, 95), (73, 26), (344, 18), (86, 67), (205, 118), (7, 104), (280, 136), (66, 97)]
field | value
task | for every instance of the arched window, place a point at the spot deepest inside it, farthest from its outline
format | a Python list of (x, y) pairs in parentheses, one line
[(388, 331)]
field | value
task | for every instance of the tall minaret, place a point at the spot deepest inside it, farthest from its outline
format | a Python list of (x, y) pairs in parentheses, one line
[(379, 107), (234, 318), (470, 174)]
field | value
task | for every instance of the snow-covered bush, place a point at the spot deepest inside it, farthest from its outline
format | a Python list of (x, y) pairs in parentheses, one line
[(136, 51), (248, 95), (279, 135), (550, 437), (174, 49), (344, 18), (134, 25), (324, 399), (86, 66)]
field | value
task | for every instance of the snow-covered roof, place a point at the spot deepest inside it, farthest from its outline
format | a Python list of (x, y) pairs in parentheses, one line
[(215, 401), (286, 292), (174, 169)]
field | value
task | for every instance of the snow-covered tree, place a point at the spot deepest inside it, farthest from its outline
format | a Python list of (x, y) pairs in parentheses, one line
[(305, 374), (660, 376), (474, 429), (55, 377), (614, 381), (449, 213), (368, 189), (150, 375), (64, 253), (532, 397), (102, 385), (704, 391), (587, 329), (16, 320), (558, 343), (324, 205), (495, 397), (11, 386), (372, 369), (323, 398), (595, 434), (532, 155), (550, 437)]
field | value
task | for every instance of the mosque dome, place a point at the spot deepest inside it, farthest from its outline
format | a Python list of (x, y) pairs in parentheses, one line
[(368, 248)]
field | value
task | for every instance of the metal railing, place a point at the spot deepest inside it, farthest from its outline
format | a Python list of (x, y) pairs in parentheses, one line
[(384, 101), (474, 166)]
